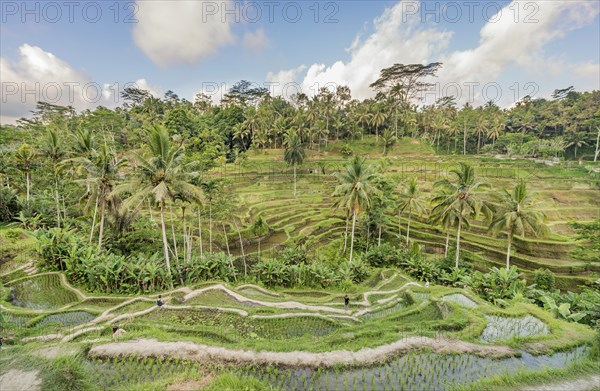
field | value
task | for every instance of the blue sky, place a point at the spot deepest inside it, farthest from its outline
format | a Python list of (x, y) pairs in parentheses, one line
[(180, 45)]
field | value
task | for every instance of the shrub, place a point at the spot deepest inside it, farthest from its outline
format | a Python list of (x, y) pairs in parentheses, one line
[(544, 279), (384, 255), (9, 204), (67, 374)]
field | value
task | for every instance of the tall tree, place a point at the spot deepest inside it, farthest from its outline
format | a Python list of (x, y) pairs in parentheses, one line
[(161, 176), (53, 151), (25, 161), (410, 200), (462, 195), (260, 228), (102, 168), (518, 214), (355, 190), (294, 153)]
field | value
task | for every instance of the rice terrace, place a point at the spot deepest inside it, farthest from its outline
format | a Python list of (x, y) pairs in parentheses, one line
[(364, 235)]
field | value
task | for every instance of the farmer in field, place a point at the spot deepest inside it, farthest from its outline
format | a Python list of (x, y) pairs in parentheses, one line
[(346, 302), (118, 332), (159, 301)]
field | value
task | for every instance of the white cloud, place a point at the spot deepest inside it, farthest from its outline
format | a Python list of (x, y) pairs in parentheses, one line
[(506, 50), (39, 75), (171, 32), (588, 70), (397, 38), (504, 43), (285, 82), (256, 41)]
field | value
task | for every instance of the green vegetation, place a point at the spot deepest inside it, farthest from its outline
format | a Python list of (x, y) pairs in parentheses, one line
[(256, 218)]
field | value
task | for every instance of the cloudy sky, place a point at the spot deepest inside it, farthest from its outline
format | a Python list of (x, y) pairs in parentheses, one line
[(83, 53)]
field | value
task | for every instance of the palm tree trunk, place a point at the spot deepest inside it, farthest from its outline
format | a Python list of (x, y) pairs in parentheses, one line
[(396, 120), (150, 211), (508, 252), (399, 225), (28, 180), (165, 243), (346, 233), (447, 242), (458, 239), (294, 179), (200, 233), (56, 199), (184, 232), (210, 226), (478, 141), (101, 229), (379, 237), (173, 235), (242, 247), (94, 220), (595, 153), (226, 239), (408, 228), (352, 237), (464, 140)]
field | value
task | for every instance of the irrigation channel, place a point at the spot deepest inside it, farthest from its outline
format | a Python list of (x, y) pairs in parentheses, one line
[(414, 371)]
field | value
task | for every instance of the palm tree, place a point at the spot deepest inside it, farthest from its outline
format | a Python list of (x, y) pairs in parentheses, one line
[(378, 119), (446, 218), (25, 157), (294, 153), (260, 228), (461, 196), (102, 168), (355, 190), (55, 153), (411, 199), (161, 177), (388, 139), (210, 190), (518, 214)]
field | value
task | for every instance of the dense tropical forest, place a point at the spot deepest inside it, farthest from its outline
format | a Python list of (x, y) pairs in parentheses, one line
[(432, 218)]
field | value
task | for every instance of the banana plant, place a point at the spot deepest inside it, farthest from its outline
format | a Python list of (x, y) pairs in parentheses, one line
[(562, 311)]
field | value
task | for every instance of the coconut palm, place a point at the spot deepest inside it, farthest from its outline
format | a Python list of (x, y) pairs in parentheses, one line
[(210, 190), (260, 228), (162, 176), (388, 139), (53, 151), (518, 214), (101, 167), (378, 119), (411, 200), (25, 160), (355, 190), (294, 153), (446, 218), (461, 196)]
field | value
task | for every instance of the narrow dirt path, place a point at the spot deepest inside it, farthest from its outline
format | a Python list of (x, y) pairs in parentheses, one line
[(365, 356), (583, 384)]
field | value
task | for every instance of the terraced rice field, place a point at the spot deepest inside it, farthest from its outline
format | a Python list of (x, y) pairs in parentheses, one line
[(501, 328)]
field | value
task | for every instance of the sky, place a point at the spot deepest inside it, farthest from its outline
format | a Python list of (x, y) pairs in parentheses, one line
[(83, 53)]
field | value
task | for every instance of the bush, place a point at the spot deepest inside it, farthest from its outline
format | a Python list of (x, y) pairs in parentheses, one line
[(67, 374), (384, 255), (544, 279), (9, 204)]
